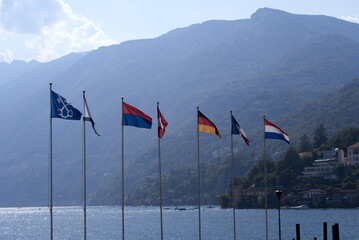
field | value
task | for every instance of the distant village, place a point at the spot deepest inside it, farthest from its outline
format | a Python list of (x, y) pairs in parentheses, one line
[(324, 169), (314, 174)]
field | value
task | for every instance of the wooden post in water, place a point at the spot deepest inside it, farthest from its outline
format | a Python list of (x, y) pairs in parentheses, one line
[(335, 231), (297, 230), (325, 231)]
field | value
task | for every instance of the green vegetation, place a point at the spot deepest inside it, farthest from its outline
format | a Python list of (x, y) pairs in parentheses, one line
[(180, 184), (320, 136), (287, 175), (305, 145)]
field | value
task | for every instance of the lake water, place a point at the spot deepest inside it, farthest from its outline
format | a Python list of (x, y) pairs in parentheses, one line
[(144, 223)]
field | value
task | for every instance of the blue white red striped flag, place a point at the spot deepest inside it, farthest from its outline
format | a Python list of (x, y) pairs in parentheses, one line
[(274, 132), (236, 129)]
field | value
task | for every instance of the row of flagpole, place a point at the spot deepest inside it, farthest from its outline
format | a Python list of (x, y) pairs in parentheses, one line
[(131, 116)]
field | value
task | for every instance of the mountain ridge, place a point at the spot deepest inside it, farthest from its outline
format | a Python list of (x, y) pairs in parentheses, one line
[(265, 65)]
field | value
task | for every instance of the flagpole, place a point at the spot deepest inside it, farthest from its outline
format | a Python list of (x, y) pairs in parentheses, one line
[(123, 184), (160, 176), (84, 173), (234, 211), (51, 219), (198, 182), (265, 177)]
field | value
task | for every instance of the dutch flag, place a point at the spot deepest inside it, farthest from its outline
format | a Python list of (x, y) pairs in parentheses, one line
[(274, 132)]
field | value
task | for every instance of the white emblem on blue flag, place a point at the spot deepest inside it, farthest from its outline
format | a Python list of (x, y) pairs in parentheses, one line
[(62, 108)]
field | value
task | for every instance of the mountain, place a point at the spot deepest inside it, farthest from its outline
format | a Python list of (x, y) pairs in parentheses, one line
[(14, 69), (337, 110), (271, 64)]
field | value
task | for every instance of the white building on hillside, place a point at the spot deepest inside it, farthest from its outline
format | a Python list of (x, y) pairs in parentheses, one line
[(326, 167), (353, 155)]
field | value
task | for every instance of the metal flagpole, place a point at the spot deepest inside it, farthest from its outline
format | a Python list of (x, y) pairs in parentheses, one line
[(51, 219), (265, 177), (160, 176), (199, 183), (84, 167), (123, 182), (234, 211)]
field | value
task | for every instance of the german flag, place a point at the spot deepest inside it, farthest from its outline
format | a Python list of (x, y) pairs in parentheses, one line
[(205, 125)]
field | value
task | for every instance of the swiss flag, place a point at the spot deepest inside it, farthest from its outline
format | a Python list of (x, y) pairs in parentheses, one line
[(162, 124)]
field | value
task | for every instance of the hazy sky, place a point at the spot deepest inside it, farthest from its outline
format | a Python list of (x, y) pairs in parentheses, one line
[(48, 29)]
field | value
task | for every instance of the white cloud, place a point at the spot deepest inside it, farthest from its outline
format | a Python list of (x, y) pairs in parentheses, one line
[(6, 56), (350, 19), (50, 28), (28, 16)]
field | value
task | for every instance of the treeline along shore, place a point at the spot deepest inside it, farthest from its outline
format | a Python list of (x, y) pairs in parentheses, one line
[(339, 188), (316, 174)]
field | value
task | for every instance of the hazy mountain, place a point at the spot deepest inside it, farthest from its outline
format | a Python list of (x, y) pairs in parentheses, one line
[(272, 64), (14, 69), (336, 111)]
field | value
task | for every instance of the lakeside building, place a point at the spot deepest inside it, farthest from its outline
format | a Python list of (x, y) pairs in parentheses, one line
[(326, 167), (343, 198), (313, 197), (340, 198), (353, 155), (251, 194)]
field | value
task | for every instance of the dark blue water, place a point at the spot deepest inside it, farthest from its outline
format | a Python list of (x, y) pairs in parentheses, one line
[(144, 223)]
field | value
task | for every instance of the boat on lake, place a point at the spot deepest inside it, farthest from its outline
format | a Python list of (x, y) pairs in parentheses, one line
[(301, 207)]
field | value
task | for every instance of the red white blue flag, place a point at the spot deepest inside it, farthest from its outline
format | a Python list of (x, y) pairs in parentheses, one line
[(236, 129), (274, 132)]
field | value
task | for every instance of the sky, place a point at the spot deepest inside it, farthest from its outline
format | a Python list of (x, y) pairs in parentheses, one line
[(48, 29)]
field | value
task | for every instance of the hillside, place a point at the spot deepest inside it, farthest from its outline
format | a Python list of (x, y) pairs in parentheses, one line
[(337, 111), (270, 64)]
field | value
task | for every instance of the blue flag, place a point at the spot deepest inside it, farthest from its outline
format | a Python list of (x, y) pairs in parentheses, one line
[(62, 108), (235, 125)]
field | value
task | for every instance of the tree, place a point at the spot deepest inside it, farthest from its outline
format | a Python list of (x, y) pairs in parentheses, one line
[(291, 160), (255, 175), (345, 138), (320, 136), (308, 159), (289, 168), (305, 145), (223, 201)]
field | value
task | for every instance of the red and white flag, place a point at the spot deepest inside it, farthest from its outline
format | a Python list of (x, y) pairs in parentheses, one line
[(87, 115), (273, 132), (162, 124)]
